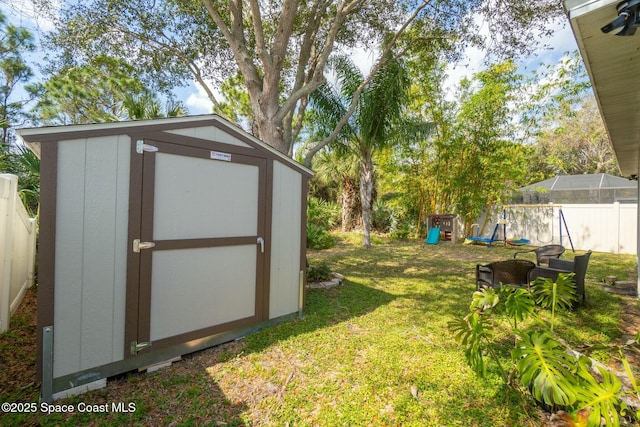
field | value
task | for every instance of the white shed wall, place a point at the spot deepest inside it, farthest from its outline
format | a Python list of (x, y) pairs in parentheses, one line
[(285, 241), (210, 133), (204, 198), (91, 252), (187, 297)]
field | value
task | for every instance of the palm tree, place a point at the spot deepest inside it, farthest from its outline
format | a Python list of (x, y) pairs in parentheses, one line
[(21, 161), (372, 125), (147, 106), (339, 168)]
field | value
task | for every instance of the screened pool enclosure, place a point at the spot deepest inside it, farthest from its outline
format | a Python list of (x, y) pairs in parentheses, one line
[(580, 189)]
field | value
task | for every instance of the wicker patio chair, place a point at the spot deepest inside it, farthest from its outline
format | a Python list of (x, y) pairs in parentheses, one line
[(556, 266), (544, 253), (509, 272)]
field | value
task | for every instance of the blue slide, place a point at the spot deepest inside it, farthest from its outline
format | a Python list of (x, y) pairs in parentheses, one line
[(433, 236)]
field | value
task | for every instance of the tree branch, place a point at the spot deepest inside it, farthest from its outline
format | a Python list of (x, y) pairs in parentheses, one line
[(193, 67), (306, 47), (260, 42), (317, 77), (237, 44), (278, 51)]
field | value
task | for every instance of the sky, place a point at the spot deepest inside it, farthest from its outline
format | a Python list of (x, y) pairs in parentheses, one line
[(196, 101)]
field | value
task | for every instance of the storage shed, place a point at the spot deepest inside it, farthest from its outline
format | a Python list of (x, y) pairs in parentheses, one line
[(159, 238)]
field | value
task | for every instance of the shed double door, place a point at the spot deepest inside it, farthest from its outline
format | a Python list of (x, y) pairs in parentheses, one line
[(200, 255)]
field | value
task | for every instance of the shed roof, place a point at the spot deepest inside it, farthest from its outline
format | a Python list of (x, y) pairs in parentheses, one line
[(582, 182), (46, 134)]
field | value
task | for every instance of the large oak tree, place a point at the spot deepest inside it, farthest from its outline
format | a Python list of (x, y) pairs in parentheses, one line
[(279, 48)]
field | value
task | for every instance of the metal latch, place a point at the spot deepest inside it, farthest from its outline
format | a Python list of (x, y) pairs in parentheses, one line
[(138, 245), (141, 147), (261, 243), (137, 347)]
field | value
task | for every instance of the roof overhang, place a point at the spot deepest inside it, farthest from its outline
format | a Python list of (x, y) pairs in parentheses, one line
[(34, 137), (613, 64)]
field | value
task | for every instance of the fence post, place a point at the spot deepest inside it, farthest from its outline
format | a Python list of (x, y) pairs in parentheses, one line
[(8, 195), (616, 215)]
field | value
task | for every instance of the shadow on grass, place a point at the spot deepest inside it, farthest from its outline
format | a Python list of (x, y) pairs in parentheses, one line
[(186, 393), (404, 286), (597, 319), (323, 308)]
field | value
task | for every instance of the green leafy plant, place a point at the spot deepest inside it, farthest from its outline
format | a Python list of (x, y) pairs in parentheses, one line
[(601, 397), (472, 334), (318, 272), (545, 368), (322, 213), (551, 295), (540, 360), (519, 305), (321, 216), (318, 237)]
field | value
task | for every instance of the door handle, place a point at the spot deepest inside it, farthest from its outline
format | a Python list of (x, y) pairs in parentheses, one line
[(138, 245), (261, 243)]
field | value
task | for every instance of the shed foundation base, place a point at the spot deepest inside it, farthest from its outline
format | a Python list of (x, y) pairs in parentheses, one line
[(95, 385)]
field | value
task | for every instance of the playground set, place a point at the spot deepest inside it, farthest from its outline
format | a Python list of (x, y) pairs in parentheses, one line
[(442, 227)]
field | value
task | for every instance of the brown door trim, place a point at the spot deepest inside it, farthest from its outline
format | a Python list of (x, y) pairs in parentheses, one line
[(139, 283), (133, 259), (46, 245), (202, 143), (268, 210)]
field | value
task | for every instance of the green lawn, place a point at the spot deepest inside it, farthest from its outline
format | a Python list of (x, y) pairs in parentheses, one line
[(376, 351)]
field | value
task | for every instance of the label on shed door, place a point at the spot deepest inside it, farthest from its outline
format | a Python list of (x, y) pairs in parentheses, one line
[(216, 155)]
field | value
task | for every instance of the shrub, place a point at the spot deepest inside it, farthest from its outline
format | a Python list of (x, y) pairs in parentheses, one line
[(318, 273), (318, 237), (322, 213), (401, 232), (321, 217), (541, 361), (386, 218)]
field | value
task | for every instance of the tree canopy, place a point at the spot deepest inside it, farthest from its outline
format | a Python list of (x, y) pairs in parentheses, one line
[(470, 160), (279, 49), (88, 93), (14, 71), (562, 121)]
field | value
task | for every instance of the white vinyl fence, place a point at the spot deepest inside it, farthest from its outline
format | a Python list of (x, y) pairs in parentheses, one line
[(17, 249), (608, 228)]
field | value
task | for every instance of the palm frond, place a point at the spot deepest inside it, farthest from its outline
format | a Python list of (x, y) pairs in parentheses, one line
[(327, 110)]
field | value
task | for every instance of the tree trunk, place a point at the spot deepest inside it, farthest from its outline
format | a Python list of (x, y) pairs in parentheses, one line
[(350, 204), (270, 128), (366, 195)]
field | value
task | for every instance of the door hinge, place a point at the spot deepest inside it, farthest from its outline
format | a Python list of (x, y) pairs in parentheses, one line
[(138, 245), (141, 147), (137, 347)]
